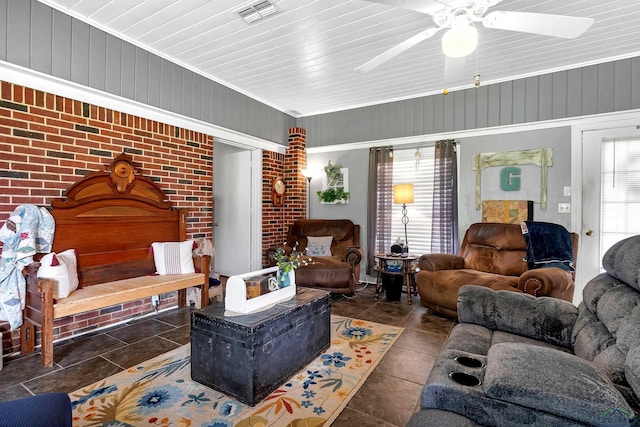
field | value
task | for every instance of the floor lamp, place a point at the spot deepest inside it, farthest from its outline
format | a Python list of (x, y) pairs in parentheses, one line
[(308, 174), (403, 194)]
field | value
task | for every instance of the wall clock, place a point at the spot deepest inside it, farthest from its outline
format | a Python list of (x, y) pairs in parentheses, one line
[(277, 191)]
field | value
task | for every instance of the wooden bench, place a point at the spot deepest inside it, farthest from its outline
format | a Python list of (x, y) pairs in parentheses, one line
[(110, 218)]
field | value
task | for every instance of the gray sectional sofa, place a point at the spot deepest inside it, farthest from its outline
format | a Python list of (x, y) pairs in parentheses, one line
[(516, 360)]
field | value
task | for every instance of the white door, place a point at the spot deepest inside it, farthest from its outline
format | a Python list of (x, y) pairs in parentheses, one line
[(610, 194), (237, 213)]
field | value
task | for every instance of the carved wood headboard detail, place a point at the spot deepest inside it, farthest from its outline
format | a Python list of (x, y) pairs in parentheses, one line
[(120, 180)]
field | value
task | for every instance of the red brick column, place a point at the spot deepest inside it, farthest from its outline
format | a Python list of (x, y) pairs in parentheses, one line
[(276, 220)]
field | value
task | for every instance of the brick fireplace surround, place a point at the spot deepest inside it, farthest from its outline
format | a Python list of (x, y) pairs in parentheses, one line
[(48, 141)]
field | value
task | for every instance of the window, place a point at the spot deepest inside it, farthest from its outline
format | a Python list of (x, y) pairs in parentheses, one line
[(620, 191), (414, 166)]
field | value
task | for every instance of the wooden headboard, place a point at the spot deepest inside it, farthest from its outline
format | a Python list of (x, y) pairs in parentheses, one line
[(110, 218)]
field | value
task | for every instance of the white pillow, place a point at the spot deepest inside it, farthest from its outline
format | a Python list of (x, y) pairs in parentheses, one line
[(173, 257), (63, 269), (319, 245)]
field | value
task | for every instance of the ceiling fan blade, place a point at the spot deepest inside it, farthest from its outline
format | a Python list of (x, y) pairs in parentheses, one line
[(396, 50), (428, 7), (568, 27)]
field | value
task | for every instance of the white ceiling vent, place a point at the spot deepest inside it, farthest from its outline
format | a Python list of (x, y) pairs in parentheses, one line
[(258, 11)]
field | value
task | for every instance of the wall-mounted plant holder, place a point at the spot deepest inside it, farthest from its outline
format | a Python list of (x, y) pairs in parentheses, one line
[(335, 190)]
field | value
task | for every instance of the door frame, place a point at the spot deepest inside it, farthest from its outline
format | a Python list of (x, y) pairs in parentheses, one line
[(612, 123), (254, 205)]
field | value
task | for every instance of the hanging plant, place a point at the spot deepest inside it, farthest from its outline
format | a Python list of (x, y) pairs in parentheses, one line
[(333, 195), (333, 173)]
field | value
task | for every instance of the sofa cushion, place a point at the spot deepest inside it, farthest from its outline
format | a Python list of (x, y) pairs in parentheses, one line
[(547, 319), (494, 248), (319, 245), (622, 261), (563, 384)]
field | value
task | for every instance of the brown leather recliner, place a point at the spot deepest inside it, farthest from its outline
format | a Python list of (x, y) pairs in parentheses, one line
[(338, 273), (491, 255)]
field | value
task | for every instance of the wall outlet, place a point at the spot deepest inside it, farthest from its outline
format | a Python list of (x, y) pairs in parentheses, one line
[(564, 207)]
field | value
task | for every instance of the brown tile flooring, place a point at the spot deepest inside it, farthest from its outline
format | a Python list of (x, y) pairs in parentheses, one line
[(388, 398)]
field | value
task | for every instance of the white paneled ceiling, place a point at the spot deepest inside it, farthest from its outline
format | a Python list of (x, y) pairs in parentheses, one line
[(302, 59)]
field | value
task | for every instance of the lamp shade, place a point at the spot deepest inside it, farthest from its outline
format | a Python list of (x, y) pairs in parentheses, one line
[(460, 40), (402, 194), (307, 173)]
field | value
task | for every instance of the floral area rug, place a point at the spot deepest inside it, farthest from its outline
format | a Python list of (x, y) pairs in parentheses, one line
[(160, 392)]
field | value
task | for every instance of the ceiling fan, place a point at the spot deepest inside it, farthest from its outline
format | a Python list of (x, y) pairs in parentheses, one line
[(458, 17)]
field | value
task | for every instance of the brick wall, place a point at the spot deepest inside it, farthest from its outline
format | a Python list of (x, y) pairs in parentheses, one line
[(276, 220), (47, 142)]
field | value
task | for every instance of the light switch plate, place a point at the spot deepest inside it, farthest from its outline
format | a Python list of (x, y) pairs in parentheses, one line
[(567, 191)]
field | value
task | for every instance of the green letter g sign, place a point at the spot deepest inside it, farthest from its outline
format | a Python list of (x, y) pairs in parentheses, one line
[(510, 179)]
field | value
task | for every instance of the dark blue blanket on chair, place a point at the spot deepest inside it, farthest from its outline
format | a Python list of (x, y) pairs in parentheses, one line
[(548, 245)]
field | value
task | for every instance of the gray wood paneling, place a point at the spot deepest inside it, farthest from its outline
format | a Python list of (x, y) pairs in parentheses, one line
[(518, 97), (506, 103), (128, 71), (531, 100), (176, 88), (559, 95), (41, 22), (429, 115), (545, 97), (215, 102), (34, 35), (79, 52), (17, 27), (438, 113), (187, 88), (482, 106), (97, 59), (61, 46), (207, 104), (593, 89), (635, 82), (196, 101), (493, 105), (448, 111), (574, 92), (590, 90), (459, 105), (605, 87), (154, 83), (141, 76), (3, 34), (113, 77), (470, 107), (419, 119), (166, 80), (622, 83), (408, 116)]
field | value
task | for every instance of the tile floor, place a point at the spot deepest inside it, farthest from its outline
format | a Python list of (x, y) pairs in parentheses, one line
[(388, 398)]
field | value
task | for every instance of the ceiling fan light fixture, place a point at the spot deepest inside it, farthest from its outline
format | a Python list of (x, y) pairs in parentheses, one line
[(460, 41)]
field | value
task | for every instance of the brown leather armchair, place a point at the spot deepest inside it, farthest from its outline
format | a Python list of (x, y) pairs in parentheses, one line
[(491, 255), (338, 273)]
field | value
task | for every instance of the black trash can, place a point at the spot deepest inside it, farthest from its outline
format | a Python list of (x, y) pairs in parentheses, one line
[(392, 284)]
